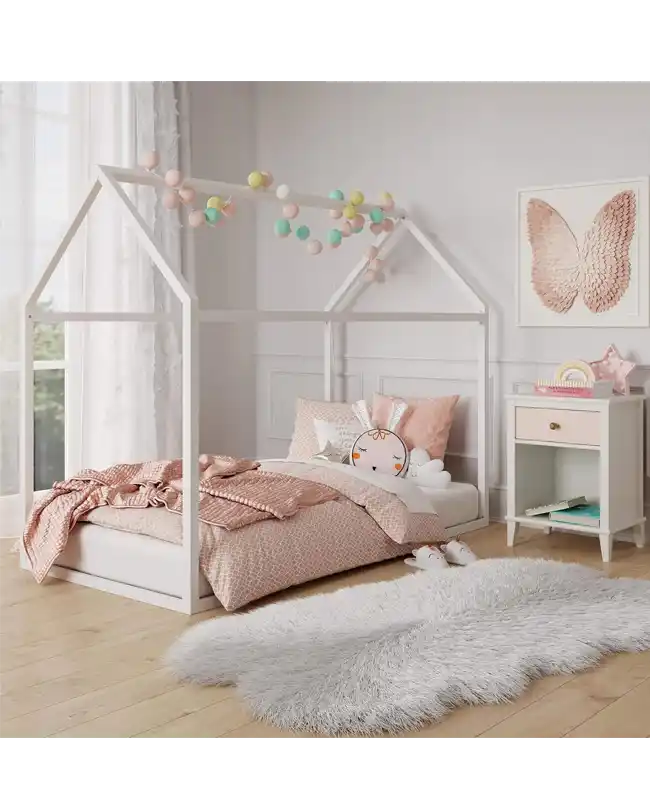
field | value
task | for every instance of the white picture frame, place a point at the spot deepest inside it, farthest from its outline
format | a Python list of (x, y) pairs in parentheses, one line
[(579, 205)]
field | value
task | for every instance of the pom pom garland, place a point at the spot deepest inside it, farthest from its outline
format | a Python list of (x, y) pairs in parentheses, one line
[(303, 232), (215, 202), (173, 178), (357, 223), (196, 218), (187, 195), (372, 252), (314, 247), (375, 264), (387, 202), (357, 198), (376, 215), (256, 179), (267, 179), (150, 160), (349, 212), (229, 209), (346, 229), (290, 210), (282, 192), (388, 225), (376, 228), (335, 214), (334, 236), (213, 216), (337, 194), (282, 228)]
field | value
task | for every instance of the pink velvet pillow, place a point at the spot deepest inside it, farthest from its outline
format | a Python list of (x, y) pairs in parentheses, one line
[(425, 424)]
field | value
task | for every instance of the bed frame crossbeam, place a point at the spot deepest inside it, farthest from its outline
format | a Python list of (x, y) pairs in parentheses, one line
[(336, 313)]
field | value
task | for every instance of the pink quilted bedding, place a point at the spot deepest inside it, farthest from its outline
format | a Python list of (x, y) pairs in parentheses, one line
[(365, 524)]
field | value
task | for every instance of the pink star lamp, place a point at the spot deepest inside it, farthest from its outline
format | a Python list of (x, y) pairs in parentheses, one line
[(611, 367)]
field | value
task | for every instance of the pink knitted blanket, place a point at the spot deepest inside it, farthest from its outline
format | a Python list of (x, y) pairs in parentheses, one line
[(232, 493)]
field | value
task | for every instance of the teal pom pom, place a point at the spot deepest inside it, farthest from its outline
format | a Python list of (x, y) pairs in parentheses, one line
[(213, 215), (303, 232), (334, 236), (282, 227), (376, 215), (337, 194)]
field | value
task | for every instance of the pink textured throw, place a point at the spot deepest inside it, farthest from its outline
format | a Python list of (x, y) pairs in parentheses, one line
[(232, 494)]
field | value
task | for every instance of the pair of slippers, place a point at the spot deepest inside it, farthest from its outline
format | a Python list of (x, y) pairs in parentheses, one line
[(436, 558)]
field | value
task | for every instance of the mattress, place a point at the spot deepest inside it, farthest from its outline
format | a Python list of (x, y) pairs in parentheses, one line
[(456, 504), (129, 558)]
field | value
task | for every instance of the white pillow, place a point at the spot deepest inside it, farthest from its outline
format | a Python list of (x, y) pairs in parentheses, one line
[(340, 434)]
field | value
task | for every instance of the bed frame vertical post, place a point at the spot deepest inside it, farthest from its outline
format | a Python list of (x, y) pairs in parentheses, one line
[(26, 418), (483, 380), (328, 360), (190, 396)]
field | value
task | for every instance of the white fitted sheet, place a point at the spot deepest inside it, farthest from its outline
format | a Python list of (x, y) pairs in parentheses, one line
[(456, 504)]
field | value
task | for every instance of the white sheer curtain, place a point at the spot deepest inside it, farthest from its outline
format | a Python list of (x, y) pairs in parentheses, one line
[(120, 399)]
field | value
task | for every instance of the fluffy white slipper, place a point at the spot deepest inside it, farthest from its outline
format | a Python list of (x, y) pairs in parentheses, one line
[(427, 558), (457, 552)]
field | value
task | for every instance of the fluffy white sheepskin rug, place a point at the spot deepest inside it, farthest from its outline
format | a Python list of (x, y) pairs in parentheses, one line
[(394, 655)]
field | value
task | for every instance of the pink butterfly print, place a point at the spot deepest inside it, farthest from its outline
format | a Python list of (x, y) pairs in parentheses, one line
[(600, 269)]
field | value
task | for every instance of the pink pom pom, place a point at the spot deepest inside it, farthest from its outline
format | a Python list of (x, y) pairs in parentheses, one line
[(150, 160), (375, 264), (369, 276), (372, 252), (388, 225), (376, 228), (170, 200), (334, 245), (346, 229), (196, 218), (358, 221), (314, 246), (388, 204), (187, 195), (228, 209), (290, 210), (267, 179), (173, 177), (335, 214)]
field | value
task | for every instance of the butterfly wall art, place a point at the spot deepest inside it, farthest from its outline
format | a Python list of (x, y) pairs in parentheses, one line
[(583, 256)]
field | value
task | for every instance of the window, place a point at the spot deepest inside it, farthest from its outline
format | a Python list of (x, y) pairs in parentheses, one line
[(37, 135)]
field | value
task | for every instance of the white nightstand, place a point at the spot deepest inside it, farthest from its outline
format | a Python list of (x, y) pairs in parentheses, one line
[(564, 447)]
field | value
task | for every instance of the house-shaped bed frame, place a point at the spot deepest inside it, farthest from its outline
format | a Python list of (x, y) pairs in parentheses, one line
[(338, 310)]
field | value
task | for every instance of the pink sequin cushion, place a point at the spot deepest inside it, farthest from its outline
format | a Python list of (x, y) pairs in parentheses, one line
[(425, 424)]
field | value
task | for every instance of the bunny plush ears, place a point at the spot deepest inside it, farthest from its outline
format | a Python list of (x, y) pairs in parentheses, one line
[(360, 409)]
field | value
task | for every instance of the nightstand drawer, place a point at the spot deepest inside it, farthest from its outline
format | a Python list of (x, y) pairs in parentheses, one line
[(557, 426)]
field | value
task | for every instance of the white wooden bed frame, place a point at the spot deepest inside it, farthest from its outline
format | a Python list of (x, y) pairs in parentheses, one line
[(337, 311)]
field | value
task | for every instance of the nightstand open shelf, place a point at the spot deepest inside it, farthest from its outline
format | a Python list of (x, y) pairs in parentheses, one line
[(559, 448)]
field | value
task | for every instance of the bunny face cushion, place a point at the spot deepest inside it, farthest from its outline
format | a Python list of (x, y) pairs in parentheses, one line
[(427, 473), (380, 450)]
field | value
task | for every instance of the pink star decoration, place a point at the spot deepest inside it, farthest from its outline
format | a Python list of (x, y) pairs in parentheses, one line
[(612, 367)]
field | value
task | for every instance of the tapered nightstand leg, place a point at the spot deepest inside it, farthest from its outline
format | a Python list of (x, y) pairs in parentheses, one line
[(547, 530), (639, 535), (513, 527), (606, 544)]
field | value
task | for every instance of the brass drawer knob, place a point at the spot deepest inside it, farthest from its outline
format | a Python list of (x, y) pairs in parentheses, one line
[(554, 426)]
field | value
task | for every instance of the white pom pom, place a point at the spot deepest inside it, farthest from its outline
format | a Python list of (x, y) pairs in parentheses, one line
[(283, 191)]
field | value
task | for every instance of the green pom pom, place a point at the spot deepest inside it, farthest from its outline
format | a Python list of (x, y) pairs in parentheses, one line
[(303, 232), (282, 227), (334, 236), (213, 215), (337, 194), (376, 215)]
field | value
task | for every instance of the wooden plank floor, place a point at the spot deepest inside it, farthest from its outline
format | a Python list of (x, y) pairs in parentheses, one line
[(76, 662)]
